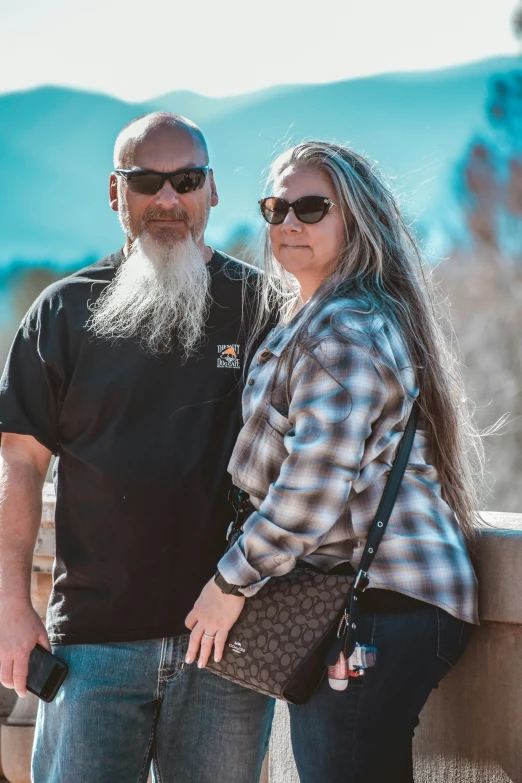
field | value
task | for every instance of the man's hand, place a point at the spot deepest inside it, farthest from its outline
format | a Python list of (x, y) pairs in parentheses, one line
[(20, 630), (213, 616)]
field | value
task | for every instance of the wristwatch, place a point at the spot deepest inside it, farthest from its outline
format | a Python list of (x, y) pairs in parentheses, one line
[(225, 587)]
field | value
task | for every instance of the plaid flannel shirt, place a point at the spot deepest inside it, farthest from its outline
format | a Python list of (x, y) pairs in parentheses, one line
[(315, 463)]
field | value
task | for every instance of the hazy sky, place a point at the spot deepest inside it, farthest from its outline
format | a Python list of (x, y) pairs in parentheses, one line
[(137, 50)]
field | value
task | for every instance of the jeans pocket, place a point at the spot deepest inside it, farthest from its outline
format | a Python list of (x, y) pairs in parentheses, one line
[(452, 637)]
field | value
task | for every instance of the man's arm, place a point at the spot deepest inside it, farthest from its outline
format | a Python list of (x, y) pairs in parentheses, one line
[(23, 467)]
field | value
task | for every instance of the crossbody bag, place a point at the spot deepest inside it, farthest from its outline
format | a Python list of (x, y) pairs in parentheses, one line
[(297, 624)]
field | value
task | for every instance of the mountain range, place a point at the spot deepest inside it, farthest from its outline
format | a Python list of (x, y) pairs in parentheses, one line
[(56, 151)]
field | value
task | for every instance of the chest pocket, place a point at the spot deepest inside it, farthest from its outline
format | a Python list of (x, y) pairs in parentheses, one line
[(262, 452)]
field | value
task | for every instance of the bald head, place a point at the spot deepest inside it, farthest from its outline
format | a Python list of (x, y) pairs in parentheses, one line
[(158, 124)]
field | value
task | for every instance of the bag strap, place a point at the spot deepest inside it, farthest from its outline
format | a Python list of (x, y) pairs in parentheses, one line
[(239, 500), (388, 498), (350, 620)]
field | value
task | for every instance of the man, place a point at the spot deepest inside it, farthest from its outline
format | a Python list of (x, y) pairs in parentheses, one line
[(129, 372)]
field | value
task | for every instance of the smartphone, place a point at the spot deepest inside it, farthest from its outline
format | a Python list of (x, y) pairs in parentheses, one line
[(46, 673)]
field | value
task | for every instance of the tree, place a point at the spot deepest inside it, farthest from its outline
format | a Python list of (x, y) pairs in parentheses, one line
[(491, 174), (483, 278)]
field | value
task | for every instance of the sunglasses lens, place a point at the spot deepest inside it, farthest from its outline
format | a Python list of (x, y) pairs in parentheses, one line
[(274, 210), (311, 209), (147, 183), (188, 181)]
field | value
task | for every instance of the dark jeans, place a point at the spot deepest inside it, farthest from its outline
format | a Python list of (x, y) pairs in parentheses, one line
[(364, 734)]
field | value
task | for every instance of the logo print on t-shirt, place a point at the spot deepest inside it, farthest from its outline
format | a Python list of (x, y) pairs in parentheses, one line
[(228, 356)]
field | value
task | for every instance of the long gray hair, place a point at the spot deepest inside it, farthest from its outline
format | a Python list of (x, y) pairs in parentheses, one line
[(381, 267)]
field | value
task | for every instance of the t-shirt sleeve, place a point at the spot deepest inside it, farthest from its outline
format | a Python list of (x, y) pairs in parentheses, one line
[(32, 382)]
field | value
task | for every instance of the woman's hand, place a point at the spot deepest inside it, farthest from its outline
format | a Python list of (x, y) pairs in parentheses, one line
[(213, 616)]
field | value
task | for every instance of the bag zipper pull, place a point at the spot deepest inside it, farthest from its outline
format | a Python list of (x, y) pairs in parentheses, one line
[(337, 645), (343, 624)]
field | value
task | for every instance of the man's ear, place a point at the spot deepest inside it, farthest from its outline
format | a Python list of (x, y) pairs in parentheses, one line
[(113, 193), (214, 199)]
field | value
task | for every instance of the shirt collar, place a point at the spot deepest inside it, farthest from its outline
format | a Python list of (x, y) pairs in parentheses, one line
[(283, 335)]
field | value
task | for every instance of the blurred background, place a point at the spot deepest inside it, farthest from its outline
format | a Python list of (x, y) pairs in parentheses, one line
[(433, 93)]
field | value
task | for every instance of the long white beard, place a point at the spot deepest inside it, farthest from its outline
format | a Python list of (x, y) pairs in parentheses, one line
[(159, 296)]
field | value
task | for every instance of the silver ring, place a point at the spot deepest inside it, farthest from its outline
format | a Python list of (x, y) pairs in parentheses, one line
[(209, 636)]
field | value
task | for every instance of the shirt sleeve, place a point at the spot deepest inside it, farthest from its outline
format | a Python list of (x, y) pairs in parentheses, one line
[(338, 393), (32, 380)]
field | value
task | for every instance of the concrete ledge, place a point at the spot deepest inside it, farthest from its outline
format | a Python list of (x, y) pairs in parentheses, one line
[(473, 721), (499, 568)]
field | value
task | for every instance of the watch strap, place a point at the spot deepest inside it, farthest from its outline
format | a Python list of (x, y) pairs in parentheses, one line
[(225, 586)]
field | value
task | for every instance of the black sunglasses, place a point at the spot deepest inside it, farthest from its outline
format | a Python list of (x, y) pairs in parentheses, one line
[(308, 209), (149, 182)]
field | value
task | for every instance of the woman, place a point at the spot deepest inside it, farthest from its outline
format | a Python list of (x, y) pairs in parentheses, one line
[(327, 399)]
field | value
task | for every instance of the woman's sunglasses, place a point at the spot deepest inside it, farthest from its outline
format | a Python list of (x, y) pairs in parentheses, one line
[(148, 182), (309, 209)]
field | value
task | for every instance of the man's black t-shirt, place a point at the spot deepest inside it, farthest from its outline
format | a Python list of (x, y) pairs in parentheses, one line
[(143, 445)]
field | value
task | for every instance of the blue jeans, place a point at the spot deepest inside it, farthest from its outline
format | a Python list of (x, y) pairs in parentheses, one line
[(125, 706), (364, 734)]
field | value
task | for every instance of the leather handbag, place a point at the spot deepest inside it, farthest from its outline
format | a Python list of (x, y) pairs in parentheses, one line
[(297, 624)]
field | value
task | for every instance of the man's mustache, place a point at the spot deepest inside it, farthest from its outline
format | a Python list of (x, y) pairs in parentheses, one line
[(175, 213)]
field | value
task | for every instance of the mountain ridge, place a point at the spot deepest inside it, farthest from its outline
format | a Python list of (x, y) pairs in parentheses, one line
[(56, 149)]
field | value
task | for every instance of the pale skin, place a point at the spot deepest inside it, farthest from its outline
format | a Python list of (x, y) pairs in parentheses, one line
[(23, 460), (23, 467), (307, 251), (165, 148), (214, 614), (310, 253)]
